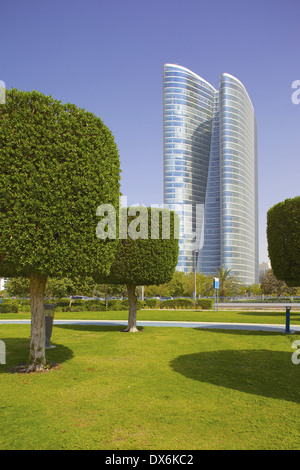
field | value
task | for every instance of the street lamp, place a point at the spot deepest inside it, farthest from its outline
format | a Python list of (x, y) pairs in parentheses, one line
[(195, 270)]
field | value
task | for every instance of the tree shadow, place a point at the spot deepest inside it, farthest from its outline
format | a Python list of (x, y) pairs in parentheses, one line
[(259, 372), (295, 315), (17, 353), (239, 331), (99, 328)]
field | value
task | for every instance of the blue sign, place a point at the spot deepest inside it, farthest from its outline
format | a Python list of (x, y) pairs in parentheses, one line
[(216, 283)]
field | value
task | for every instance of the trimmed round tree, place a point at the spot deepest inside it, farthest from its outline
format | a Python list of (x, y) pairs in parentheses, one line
[(283, 234), (147, 252), (58, 164)]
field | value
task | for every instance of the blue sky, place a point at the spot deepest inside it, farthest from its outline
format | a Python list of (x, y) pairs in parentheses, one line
[(108, 56)]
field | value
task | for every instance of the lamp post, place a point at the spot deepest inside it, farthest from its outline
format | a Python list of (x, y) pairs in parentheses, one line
[(195, 270)]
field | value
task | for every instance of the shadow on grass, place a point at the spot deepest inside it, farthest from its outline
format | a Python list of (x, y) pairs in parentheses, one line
[(239, 331), (100, 328), (17, 353), (282, 314), (259, 372)]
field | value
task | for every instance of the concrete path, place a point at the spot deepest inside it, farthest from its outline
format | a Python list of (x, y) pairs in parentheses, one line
[(212, 325)]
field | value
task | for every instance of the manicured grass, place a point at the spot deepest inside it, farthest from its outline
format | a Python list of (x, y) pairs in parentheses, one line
[(176, 315), (162, 388)]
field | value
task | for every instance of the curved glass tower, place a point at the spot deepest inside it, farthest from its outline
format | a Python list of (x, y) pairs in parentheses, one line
[(210, 172)]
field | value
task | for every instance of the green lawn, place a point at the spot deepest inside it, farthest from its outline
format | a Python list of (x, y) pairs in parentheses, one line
[(162, 388), (179, 315)]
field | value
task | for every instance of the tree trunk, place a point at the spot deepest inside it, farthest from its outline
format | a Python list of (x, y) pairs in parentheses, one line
[(37, 341), (132, 309)]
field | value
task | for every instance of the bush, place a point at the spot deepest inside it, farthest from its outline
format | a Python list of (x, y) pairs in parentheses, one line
[(24, 302), (24, 308), (9, 307), (93, 305), (139, 304), (116, 304), (283, 234), (207, 304), (62, 303), (152, 303), (72, 309), (178, 303)]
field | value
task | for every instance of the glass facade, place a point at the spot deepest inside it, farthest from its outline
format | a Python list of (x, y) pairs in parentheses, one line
[(210, 172)]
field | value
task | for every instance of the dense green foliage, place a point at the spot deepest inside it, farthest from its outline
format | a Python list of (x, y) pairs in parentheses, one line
[(9, 307), (152, 303), (145, 261), (283, 233), (58, 164), (178, 303), (270, 285), (187, 303), (183, 285), (205, 303)]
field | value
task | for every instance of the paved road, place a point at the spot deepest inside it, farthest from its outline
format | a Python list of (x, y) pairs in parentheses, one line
[(211, 325), (258, 305)]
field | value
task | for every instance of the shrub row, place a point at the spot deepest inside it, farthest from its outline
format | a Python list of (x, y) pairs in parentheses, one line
[(206, 304), (116, 304), (113, 305), (9, 307)]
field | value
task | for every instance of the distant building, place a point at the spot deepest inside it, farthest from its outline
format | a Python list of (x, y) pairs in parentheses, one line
[(263, 268), (210, 172), (2, 283)]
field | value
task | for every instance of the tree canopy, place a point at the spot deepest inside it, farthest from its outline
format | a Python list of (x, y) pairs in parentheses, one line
[(58, 164), (148, 253), (283, 234)]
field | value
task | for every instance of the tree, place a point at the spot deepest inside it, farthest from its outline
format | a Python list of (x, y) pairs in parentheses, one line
[(58, 164), (58, 288), (112, 290), (18, 287), (270, 285), (203, 284), (255, 289), (227, 282), (283, 234), (158, 291), (144, 256), (178, 285)]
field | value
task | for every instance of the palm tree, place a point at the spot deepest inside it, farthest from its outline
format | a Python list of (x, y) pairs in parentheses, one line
[(226, 281)]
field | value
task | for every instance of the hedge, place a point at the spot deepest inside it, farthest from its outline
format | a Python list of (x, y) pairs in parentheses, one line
[(178, 303), (152, 303), (283, 234), (9, 307), (115, 305), (139, 304), (206, 304)]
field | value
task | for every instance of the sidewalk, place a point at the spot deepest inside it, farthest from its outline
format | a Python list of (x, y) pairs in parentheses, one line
[(210, 325)]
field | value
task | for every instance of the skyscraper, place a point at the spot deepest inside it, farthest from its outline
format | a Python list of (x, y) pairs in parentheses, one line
[(210, 172)]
